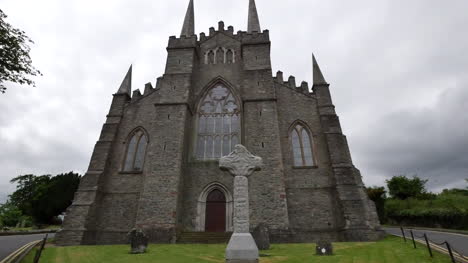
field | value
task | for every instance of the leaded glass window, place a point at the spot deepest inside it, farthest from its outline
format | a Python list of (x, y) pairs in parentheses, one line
[(136, 150), (218, 124), (301, 146)]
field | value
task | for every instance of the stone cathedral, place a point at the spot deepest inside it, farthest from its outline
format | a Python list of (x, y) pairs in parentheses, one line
[(155, 165)]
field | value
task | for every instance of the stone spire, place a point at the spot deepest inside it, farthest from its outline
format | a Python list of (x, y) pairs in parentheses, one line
[(126, 86), (254, 22), (317, 73), (188, 29)]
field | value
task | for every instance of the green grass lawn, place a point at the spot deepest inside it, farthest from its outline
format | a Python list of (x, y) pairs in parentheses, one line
[(389, 250)]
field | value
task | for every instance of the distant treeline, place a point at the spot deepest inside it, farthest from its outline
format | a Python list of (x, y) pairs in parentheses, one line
[(38, 200), (410, 204)]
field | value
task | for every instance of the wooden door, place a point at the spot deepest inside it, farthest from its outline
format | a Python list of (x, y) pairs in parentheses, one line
[(215, 219)]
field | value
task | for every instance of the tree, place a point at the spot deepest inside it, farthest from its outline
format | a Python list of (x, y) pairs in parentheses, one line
[(10, 215), (378, 195), (44, 197), (402, 187), (15, 62)]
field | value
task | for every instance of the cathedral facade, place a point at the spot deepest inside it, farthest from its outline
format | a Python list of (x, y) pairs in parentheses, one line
[(155, 165)]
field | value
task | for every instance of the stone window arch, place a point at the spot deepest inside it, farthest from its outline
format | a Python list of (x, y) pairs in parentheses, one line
[(230, 56), (201, 206), (218, 123), (210, 57), (220, 55), (135, 151), (301, 143)]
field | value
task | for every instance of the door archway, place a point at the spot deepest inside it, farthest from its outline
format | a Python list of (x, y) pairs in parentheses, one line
[(209, 203), (215, 217)]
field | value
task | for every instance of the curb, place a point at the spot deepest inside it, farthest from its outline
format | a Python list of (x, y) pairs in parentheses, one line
[(19, 254)]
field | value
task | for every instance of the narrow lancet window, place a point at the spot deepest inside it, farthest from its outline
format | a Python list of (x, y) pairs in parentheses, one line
[(220, 56), (136, 151), (301, 146), (211, 57), (218, 124), (229, 57)]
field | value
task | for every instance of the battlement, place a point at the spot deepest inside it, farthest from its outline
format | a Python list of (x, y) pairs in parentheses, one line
[(243, 36), (182, 42), (291, 84)]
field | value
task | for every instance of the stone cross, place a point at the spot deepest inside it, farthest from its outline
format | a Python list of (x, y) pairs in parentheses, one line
[(241, 164)]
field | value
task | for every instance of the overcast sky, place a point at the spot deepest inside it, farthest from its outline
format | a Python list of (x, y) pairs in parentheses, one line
[(398, 71)]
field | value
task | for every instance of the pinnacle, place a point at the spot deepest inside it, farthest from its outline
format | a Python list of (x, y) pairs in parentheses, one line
[(253, 22), (126, 86), (188, 29), (318, 78)]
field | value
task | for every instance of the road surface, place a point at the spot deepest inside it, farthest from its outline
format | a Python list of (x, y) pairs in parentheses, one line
[(8, 244), (457, 241)]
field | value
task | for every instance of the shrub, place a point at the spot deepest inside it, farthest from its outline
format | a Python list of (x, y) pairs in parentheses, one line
[(446, 210)]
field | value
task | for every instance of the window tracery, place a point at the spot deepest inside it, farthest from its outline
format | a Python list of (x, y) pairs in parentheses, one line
[(218, 124), (220, 55), (301, 146), (136, 151)]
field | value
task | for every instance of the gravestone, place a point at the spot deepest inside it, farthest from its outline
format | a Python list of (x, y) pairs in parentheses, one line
[(261, 235), (241, 164), (138, 241), (324, 248)]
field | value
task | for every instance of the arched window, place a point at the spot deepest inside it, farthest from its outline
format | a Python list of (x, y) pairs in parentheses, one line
[(136, 150), (211, 57), (301, 146), (218, 124), (229, 57), (220, 56)]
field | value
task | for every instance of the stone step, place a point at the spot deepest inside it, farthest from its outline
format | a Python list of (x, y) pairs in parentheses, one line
[(204, 237)]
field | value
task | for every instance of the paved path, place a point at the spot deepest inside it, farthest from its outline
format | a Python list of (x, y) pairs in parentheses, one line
[(457, 241), (8, 244)]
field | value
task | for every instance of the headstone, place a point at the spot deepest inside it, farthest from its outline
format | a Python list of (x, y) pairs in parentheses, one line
[(261, 235), (324, 248), (241, 164), (138, 241)]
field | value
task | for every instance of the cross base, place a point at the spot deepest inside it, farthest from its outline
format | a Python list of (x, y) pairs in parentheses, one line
[(242, 249)]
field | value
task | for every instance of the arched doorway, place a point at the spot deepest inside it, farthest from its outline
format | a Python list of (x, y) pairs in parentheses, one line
[(202, 205), (215, 212)]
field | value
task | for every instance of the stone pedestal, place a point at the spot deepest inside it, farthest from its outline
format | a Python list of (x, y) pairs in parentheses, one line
[(241, 163)]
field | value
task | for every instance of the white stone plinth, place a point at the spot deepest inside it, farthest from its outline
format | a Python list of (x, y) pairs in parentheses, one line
[(241, 249)]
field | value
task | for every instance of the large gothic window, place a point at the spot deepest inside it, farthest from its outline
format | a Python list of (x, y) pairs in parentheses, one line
[(301, 146), (218, 124), (136, 150)]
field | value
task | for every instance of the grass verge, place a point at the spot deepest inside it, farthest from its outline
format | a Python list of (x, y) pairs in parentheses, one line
[(389, 250)]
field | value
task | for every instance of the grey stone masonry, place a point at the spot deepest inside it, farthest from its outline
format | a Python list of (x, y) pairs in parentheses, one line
[(156, 161)]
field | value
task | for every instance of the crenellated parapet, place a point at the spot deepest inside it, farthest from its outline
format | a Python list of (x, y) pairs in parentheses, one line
[(182, 42), (242, 36), (291, 84)]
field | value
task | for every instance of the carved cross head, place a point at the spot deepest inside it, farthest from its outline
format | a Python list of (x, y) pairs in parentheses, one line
[(240, 162)]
